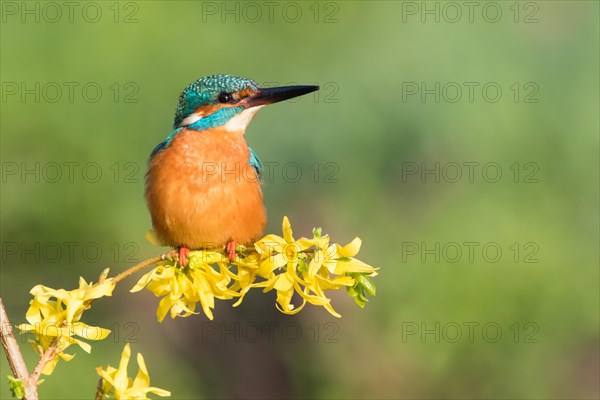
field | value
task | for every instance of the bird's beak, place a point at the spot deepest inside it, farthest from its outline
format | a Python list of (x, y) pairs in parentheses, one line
[(276, 94)]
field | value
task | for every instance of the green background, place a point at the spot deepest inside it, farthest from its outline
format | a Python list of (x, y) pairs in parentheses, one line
[(365, 133)]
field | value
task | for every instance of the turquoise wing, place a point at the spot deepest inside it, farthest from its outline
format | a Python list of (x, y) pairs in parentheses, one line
[(255, 163)]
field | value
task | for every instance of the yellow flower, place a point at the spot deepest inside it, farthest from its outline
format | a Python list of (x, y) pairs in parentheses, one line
[(182, 288), (336, 267), (58, 320), (115, 381), (308, 267), (78, 300), (278, 252)]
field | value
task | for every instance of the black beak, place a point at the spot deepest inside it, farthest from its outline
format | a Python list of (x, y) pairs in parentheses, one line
[(276, 94)]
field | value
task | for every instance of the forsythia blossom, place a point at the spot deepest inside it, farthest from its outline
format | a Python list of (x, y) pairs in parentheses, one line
[(183, 288), (116, 382), (306, 267), (54, 315)]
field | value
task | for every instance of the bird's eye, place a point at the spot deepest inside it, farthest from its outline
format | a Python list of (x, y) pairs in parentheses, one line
[(224, 97)]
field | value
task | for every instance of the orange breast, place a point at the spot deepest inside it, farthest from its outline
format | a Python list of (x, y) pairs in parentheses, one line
[(202, 192)]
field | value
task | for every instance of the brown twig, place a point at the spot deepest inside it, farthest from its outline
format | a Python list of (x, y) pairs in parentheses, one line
[(99, 390), (143, 265), (14, 355), (46, 357)]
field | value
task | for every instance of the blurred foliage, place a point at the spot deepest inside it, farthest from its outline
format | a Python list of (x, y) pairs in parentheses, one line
[(368, 139)]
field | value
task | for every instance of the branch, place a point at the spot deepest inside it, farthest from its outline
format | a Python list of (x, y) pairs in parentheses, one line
[(142, 265), (99, 390), (44, 359), (14, 356)]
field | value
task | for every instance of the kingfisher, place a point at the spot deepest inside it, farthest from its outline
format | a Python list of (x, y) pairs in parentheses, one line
[(203, 185)]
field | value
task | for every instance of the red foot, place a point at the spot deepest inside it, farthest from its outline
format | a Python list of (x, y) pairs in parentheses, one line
[(231, 250), (183, 255)]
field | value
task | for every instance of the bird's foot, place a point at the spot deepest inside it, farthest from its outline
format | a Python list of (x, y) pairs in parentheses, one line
[(231, 250), (183, 255)]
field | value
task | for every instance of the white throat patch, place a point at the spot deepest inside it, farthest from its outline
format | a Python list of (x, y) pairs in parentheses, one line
[(240, 122), (190, 119)]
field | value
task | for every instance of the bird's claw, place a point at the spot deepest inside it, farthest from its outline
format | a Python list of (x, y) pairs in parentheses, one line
[(230, 248), (183, 255)]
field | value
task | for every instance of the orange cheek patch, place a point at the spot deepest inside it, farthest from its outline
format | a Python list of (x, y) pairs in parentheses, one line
[(244, 93), (203, 111)]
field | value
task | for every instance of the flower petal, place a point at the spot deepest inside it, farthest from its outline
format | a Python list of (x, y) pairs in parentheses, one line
[(351, 249), (121, 382), (286, 227), (354, 265), (142, 379)]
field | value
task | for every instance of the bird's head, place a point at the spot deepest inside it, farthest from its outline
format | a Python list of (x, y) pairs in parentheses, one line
[(228, 101)]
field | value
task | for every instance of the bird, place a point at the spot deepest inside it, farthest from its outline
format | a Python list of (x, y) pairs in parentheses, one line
[(203, 183)]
